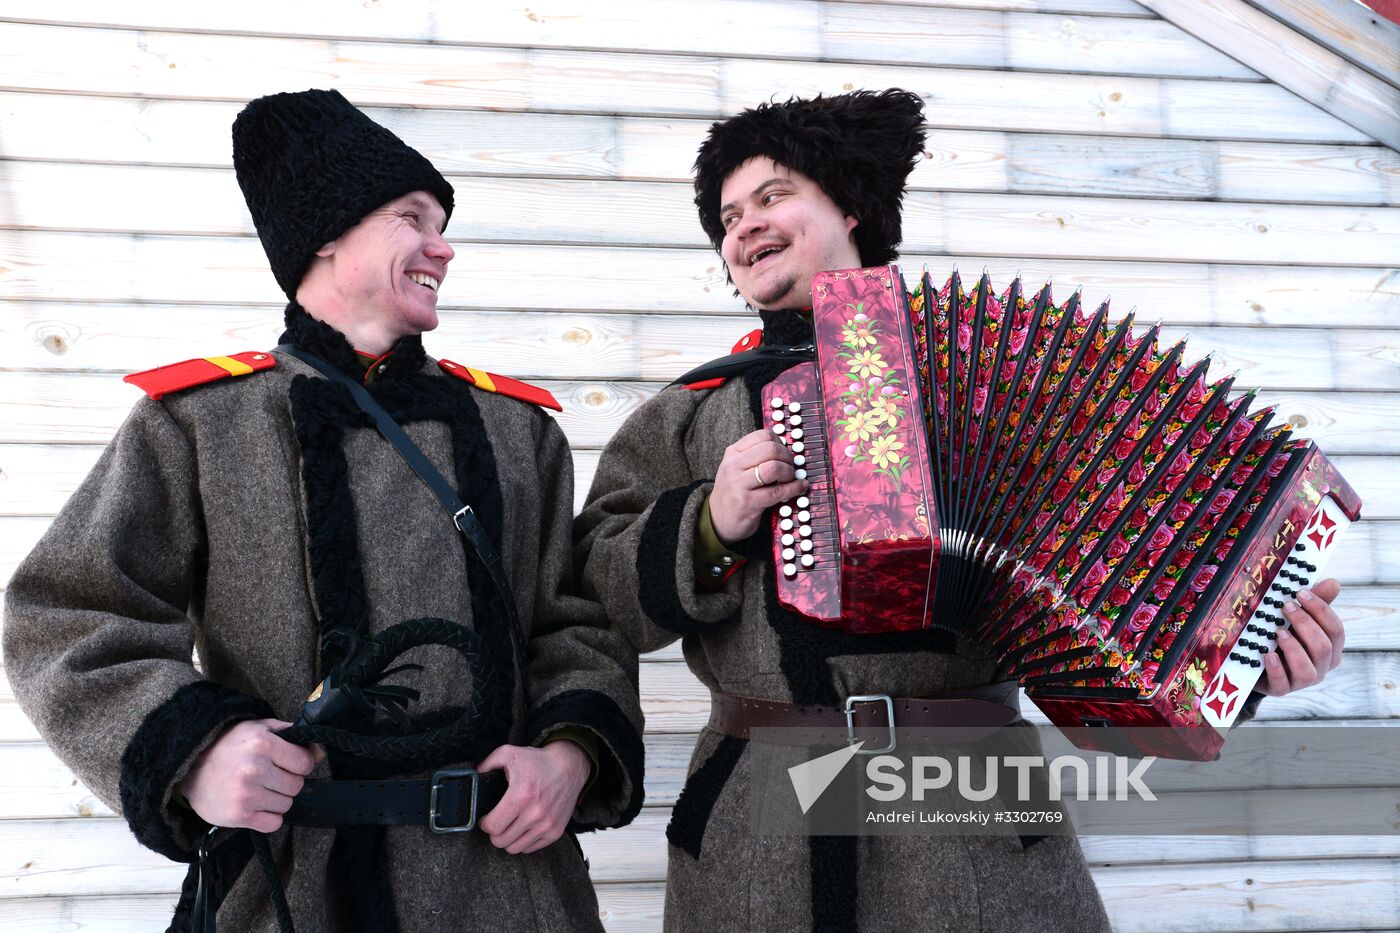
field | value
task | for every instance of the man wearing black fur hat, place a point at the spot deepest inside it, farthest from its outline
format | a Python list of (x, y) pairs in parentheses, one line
[(677, 507), (250, 507)]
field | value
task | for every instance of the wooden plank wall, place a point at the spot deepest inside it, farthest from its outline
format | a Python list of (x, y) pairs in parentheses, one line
[(1081, 139)]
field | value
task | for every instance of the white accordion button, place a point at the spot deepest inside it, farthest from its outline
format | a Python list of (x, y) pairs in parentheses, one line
[(777, 403), (799, 460), (804, 516), (797, 434), (785, 524), (803, 502), (805, 545), (798, 447), (795, 420), (805, 531), (801, 474), (778, 429), (789, 553), (808, 560), (790, 570), (787, 540), (785, 511), (777, 416), (794, 408)]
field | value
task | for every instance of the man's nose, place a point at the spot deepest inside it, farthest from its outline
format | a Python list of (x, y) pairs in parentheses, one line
[(438, 248), (752, 222)]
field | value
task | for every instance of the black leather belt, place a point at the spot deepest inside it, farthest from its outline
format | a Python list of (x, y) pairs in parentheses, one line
[(451, 802)]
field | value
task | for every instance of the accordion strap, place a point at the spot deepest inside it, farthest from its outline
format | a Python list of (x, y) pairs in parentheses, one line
[(736, 363), (992, 705)]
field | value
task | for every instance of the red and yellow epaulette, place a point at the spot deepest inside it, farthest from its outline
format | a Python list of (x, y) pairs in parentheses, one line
[(746, 342), (163, 380), (504, 385)]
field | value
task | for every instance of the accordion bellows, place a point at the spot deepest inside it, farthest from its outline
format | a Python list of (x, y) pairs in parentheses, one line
[(1120, 530)]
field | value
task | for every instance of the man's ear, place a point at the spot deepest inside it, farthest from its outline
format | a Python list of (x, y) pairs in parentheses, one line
[(326, 251), (851, 222)]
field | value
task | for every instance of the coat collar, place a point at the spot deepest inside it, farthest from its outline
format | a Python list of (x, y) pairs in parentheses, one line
[(329, 344), (786, 327)]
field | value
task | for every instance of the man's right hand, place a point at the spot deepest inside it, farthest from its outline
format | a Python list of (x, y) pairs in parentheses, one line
[(248, 777), (756, 473)]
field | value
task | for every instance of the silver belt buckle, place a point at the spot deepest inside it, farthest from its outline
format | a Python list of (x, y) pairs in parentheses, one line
[(850, 721), (438, 778)]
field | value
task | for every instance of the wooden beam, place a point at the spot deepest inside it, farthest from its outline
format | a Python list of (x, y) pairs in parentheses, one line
[(1294, 61), (1361, 36)]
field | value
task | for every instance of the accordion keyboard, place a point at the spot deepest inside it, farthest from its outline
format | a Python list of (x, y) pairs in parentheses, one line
[(806, 547), (806, 525), (1244, 665)]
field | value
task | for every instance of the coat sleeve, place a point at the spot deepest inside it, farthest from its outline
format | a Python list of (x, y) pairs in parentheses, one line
[(580, 673), (636, 535), (98, 641)]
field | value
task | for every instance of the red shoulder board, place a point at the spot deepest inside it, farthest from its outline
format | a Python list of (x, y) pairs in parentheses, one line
[(746, 342), (163, 380), (504, 385)]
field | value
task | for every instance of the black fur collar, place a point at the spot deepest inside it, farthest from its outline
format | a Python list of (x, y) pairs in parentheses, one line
[(786, 328), (330, 345)]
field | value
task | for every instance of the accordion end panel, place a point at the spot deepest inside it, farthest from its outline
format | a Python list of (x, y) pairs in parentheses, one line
[(1199, 696)]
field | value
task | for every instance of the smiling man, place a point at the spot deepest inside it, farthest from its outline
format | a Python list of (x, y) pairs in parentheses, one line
[(675, 544), (249, 507)]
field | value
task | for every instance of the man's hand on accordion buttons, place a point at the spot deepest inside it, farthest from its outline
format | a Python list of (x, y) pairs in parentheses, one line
[(756, 473), (1310, 646)]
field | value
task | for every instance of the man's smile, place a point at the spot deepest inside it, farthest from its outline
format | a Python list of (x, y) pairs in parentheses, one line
[(426, 280)]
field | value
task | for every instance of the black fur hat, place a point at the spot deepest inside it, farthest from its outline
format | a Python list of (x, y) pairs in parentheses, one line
[(311, 166), (860, 147)]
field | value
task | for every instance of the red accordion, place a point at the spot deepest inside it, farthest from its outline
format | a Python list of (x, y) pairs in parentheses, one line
[(1121, 531)]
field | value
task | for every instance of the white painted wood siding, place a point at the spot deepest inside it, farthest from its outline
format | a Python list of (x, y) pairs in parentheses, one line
[(1086, 140)]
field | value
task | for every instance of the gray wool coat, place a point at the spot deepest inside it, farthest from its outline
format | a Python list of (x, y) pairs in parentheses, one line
[(247, 518), (636, 537)]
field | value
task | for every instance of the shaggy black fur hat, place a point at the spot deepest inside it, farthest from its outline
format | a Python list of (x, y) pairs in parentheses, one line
[(311, 166), (860, 147)]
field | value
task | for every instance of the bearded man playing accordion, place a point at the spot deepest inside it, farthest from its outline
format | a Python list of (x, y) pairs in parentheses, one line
[(676, 544)]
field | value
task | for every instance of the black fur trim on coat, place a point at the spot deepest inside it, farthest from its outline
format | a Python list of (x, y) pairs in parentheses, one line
[(785, 328), (835, 883), (163, 743), (656, 563), (805, 650), (598, 713), (691, 814), (330, 345), (322, 412), (358, 880)]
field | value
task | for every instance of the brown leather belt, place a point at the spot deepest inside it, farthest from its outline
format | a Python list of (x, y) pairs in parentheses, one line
[(869, 716)]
